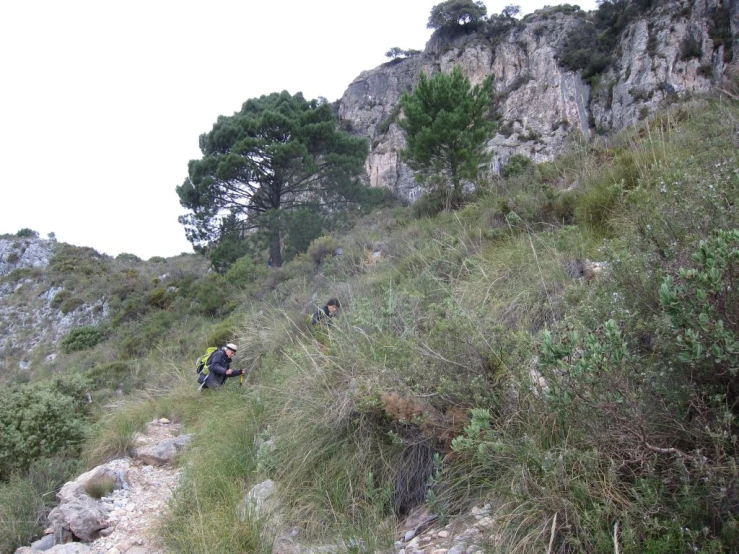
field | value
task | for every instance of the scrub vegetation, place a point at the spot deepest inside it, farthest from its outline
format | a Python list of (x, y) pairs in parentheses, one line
[(563, 347)]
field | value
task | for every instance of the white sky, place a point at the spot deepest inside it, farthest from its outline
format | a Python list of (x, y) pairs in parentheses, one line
[(102, 102)]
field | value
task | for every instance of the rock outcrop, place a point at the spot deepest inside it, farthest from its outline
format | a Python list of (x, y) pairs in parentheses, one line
[(29, 319), (541, 104)]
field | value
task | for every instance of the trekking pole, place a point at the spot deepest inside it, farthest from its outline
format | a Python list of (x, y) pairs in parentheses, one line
[(254, 364)]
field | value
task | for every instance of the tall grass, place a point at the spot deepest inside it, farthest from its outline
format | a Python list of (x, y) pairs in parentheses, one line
[(473, 362), (26, 499), (219, 469)]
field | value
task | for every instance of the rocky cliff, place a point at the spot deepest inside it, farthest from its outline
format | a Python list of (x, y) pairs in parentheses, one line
[(670, 50), (31, 322)]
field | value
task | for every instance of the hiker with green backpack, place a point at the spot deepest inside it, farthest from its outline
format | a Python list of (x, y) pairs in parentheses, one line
[(214, 367)]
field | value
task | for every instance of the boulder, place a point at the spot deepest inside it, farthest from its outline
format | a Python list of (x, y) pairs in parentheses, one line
[(163, 452), (83, 516), (44, 543), (258, 500)]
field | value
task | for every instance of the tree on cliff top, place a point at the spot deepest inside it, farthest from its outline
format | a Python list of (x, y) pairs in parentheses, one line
[(453, 13), (447, 127), (279, 153)]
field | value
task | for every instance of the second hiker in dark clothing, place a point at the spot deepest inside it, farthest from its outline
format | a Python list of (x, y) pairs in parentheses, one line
[(219, 365), (331, 309)]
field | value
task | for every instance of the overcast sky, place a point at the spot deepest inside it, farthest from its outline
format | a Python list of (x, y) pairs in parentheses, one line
[(102, 102)]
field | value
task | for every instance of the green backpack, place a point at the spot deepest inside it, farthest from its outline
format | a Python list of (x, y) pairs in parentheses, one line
[(201, 366)]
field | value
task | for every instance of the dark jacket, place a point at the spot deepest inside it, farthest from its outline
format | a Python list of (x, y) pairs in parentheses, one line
[(321, 314), (218, 364)]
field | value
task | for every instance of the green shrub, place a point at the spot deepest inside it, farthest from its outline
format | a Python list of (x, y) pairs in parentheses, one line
[(245, 271), (81, 338), (321, 248), (392, 117), (27, 233), (77, 261), (158, 260), (71, 304), (213, 296), (142, 337), (59, 298), (13, 257), (161, 298), (36, 422), (299, 267), (517, 165), (222, 332), (590, 45), (110, 375), (703, 305)]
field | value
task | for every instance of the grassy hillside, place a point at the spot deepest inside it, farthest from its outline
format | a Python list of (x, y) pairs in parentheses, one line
[(482, 356)]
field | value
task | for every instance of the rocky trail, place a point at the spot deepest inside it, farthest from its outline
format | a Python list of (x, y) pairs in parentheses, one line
[(123, 520), (115, 509)]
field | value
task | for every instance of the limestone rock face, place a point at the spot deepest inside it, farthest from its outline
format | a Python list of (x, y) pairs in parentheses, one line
[(541, 104), (28, 317), (25, 253)]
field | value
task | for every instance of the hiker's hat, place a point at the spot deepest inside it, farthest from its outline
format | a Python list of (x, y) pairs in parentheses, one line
[(231, 346)]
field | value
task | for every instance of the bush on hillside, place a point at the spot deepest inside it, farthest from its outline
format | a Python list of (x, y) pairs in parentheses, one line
[(703, 305), (114, 374), (245, 271), (126, 257), (75, 261), (212, 297), (142, 337), (517, 165), (71, 304), (81, 338), (37, 421), (27, 233), (321, 248), (60, 298), (222, 333), (161, 298)]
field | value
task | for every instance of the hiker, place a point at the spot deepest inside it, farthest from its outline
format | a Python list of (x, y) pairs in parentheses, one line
[(330, 310), (219, 365)]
